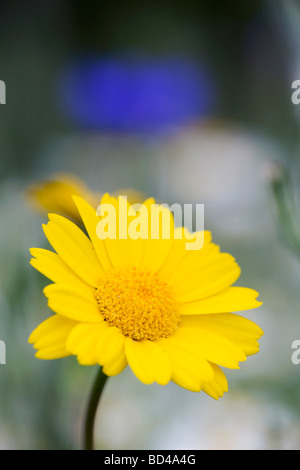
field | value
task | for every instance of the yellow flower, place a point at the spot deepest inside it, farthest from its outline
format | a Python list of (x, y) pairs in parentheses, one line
[(148, 303), (56, 195)]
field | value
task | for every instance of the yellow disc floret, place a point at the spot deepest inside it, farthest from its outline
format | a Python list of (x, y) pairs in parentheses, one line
[(138, 302)]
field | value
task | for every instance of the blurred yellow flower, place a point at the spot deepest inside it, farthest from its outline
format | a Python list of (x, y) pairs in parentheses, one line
[(56, 195), (147, 303)]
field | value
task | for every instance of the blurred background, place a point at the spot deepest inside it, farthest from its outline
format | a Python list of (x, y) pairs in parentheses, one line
[(189, 102)]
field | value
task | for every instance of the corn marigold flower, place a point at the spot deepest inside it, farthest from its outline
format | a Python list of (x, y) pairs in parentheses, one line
[(56, 195), (148, 303)]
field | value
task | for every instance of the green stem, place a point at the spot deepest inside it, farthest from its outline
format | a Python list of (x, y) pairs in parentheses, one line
[(89, 423)]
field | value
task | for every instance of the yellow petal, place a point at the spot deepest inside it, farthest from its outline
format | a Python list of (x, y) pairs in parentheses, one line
[(218, 385), (90, 220), (241, 331), (72, 245), (232, 299), (71, 303), (148, 361), (121, 248), (194, 261), (189, 370), (52, 266), (155, 251), (83, 340), (115, 366), (110, 351), (178, 251), (54, 325), (211, 346), (50, 337), (52, 353), (213, 276)]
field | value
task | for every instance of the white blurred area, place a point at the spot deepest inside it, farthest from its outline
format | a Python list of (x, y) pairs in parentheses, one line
[(173, 419), (223, 168), (216, 164)]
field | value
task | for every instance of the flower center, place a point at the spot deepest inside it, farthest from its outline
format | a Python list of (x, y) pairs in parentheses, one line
[(137, 302)]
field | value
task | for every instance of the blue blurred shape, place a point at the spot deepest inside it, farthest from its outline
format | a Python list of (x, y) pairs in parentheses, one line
[(135, 94)]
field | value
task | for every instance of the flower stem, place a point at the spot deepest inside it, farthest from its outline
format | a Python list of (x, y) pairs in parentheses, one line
[(89, 423)]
